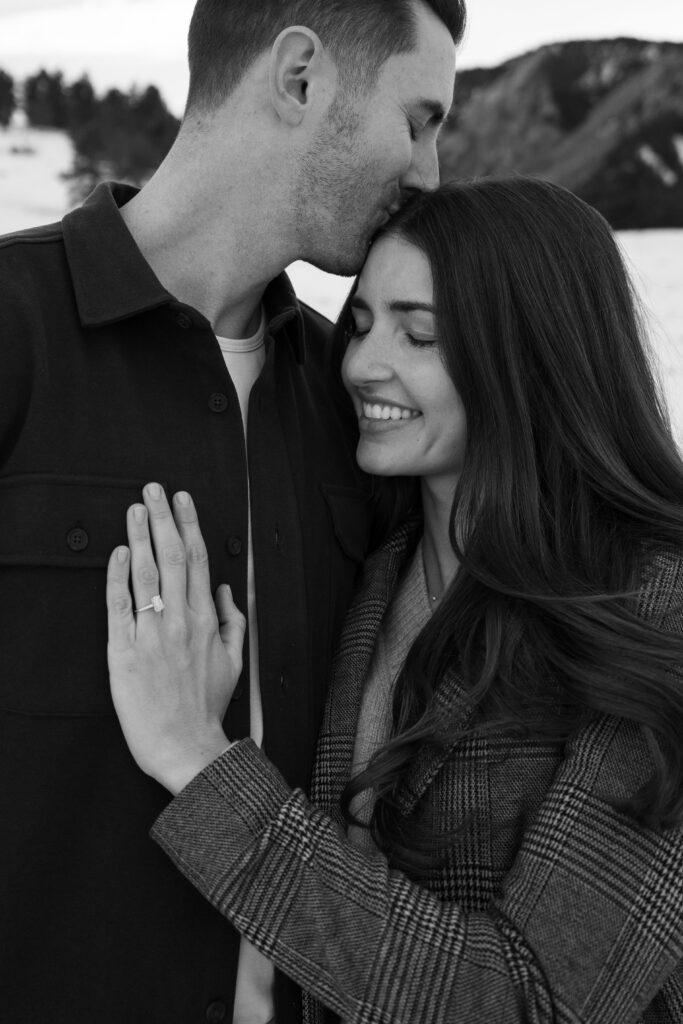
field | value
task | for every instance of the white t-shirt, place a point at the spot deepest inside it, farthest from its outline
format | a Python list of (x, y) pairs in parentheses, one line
[(245, 358)]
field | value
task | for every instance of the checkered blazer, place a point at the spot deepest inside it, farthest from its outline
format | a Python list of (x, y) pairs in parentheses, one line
[(551, 907)]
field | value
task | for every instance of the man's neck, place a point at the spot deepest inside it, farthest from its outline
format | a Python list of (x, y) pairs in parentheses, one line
[(208, 238)]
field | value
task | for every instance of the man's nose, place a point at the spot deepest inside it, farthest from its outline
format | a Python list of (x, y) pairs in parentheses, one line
[(423, 173)]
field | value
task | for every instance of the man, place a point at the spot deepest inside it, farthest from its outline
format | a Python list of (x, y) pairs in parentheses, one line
[(307, 123)]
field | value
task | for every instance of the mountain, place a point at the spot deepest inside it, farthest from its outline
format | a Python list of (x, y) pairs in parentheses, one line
[(603, 118)]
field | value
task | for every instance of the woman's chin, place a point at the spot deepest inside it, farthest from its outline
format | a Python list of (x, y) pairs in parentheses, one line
[(375, 464)]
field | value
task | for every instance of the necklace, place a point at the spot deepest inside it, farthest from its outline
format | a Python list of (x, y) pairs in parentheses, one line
[(433, 597)]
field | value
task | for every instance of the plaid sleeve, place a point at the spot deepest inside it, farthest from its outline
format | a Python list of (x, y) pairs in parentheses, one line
[(588, 928)]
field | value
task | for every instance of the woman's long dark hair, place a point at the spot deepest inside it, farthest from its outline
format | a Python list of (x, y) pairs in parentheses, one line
[(571, 481)]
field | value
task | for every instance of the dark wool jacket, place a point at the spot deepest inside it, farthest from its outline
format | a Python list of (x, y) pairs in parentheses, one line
[(108, 382), (554, 908)]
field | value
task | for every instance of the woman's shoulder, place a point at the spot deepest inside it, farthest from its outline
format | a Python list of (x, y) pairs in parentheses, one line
[(660, 588)]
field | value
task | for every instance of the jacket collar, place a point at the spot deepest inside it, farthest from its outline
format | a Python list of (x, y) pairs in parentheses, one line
[(113, 281)]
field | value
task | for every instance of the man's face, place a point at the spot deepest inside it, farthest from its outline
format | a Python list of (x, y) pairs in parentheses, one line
[(374, 149)]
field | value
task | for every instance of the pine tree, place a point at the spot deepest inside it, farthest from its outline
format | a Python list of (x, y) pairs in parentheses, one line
[(44, 100), (7, 100)]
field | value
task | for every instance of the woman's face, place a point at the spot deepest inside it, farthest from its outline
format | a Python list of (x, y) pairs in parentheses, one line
[(411, 419)]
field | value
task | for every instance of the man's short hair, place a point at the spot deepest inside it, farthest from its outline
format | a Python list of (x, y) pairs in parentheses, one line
[(226, 37)]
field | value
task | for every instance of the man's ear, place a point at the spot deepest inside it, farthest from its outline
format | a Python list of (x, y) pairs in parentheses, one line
[(298, 61)]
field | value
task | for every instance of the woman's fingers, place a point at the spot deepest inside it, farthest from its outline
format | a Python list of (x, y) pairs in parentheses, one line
[(169, 552), (198, 581), (232, 625), (143, 568), (119, 602)]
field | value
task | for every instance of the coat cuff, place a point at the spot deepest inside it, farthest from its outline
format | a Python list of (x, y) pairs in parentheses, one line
[(220, 812)]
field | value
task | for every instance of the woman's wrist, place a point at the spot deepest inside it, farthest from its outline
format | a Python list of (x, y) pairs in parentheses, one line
[(177, 767)]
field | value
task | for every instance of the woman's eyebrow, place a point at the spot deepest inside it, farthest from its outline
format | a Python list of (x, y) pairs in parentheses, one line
[(396, 305), (407, 306)]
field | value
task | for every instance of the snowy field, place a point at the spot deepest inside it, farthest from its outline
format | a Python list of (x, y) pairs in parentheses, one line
[(31, 192)]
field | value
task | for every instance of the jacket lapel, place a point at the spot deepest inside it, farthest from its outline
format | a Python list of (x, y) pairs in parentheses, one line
[(453, 707), (334, 756)]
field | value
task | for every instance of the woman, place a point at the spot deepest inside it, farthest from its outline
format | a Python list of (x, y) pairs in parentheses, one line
[(495, 827)]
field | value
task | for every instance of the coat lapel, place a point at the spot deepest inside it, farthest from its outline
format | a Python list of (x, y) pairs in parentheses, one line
[(340, 721), (451, 701)]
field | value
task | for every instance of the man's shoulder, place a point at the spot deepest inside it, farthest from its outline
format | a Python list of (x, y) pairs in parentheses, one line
[(43, 235), (661, 581), (28, 259), (320, 337), (34, 276), (316, 321)]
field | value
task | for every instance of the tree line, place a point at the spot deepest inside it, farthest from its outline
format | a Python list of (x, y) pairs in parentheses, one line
[(122, 135)]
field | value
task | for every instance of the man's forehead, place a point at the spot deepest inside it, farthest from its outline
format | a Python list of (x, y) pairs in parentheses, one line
[(426, 74)]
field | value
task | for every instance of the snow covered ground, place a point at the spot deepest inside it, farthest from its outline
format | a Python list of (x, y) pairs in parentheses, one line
[(31, 192)]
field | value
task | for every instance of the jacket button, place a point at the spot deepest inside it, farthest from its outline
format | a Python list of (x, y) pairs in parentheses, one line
[(77, 539), (239, 690), (216, 1011), (184, 321), (234, 546), (218, 402)]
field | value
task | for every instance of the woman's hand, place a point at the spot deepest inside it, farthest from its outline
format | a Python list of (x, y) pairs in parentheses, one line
[(172, 672)]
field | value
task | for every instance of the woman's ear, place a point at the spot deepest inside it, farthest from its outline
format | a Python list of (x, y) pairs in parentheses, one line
[(299, 65)]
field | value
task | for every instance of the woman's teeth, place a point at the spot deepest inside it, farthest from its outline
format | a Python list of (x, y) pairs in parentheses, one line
[(387, 412)]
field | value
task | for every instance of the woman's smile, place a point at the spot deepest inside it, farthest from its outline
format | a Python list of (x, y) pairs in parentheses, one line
[(377, 414)]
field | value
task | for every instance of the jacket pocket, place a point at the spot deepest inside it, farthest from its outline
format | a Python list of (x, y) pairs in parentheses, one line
[(66, 521), (56, 535)]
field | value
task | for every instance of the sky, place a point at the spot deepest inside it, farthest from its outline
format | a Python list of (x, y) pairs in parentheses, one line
[(121, 42)]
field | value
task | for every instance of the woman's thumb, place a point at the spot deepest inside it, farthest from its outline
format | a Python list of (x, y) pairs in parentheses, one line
[(232, 624)]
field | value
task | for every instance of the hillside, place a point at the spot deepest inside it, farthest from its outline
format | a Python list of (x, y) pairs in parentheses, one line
[(603, 118)]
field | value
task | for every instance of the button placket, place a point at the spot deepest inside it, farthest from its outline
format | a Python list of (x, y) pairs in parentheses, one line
[(77, 539), (233, 545), (216, 1011), (218, 402)]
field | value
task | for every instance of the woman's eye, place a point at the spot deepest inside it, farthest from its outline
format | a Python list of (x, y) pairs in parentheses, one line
[(421, 341)]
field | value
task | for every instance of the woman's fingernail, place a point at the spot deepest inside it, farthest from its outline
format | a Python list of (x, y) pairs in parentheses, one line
[(139, 513), (154, 491), (122, 555), (183, 498)]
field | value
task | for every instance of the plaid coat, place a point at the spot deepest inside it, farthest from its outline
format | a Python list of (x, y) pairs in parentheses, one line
[(553, 907)]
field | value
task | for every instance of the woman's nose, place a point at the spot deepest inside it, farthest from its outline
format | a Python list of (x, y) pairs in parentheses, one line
[(366, 360)]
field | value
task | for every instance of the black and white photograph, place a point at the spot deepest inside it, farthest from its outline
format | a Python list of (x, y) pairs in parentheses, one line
[(341, 512)]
